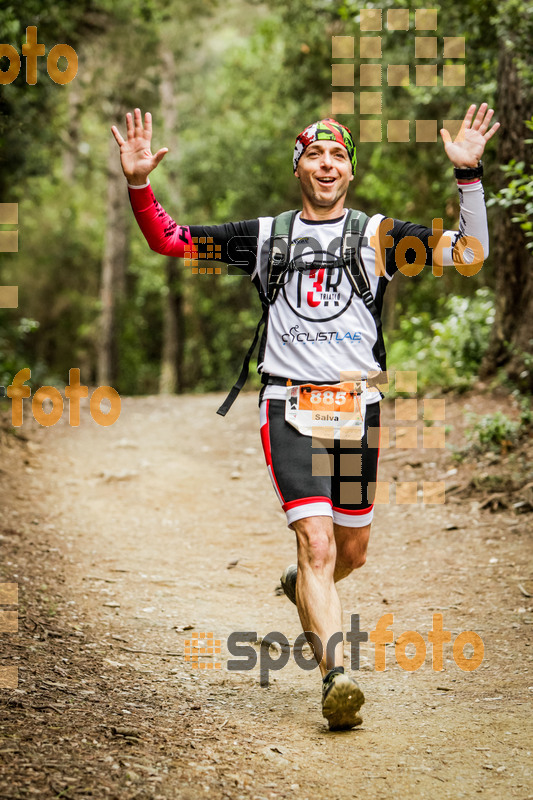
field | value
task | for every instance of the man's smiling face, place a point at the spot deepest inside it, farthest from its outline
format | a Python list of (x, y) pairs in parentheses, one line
[(325, 172)]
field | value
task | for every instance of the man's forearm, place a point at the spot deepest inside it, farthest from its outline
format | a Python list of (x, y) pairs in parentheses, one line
[(161, 232), (473, 228)]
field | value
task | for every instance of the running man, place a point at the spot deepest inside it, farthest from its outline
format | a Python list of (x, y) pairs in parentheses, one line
[(320, 327)]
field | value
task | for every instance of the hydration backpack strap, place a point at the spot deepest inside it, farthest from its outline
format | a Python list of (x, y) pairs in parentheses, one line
[(352, 240), (278, 260), (241, 380), (279, 252)]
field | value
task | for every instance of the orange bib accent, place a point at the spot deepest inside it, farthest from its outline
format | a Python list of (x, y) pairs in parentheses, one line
[(339, 408)]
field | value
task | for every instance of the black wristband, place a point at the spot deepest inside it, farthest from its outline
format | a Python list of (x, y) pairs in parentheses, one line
[(469, 172)]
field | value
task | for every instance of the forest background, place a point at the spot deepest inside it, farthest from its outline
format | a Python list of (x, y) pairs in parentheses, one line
[(229, 85)]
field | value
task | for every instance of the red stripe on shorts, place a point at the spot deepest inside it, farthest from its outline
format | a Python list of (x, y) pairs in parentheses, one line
[(354, 511), (265, 441)]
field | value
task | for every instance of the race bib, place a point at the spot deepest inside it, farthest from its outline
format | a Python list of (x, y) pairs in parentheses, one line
[(328, 409)]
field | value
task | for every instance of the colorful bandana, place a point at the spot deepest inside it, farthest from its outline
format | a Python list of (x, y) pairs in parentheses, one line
[(325, 129)]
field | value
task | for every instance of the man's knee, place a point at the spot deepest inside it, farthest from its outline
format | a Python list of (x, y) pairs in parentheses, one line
[(351, 559), (316, 543), (358, 559), (351, 549)]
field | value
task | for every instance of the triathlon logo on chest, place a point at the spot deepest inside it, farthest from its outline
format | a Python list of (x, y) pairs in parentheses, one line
[(315, 294)]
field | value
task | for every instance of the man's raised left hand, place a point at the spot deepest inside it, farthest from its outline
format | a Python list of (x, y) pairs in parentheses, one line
[(467, 148)]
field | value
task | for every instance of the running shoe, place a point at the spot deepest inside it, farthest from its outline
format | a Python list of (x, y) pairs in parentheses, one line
[(342, 698), (288, 582)]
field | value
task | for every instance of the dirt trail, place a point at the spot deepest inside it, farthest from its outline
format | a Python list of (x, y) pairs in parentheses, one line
[(166, 524)]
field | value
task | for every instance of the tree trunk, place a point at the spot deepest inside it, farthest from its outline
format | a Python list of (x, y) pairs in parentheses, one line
[(113, 267), (72, 137), (512, 334), (170, 379)]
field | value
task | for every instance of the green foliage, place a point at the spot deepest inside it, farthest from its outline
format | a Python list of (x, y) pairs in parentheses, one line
[(16, 337), (249, 76), (445, 352), (58, 280), (491, 431), (242, 167), (26, 144), (512, 23), (526, 411), (218, 335), (518, 194), (497, 432)]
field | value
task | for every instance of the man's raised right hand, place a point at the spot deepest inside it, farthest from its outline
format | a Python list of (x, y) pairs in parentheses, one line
[(135, 155)]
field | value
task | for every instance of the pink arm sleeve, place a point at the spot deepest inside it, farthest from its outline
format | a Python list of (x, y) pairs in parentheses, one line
[(159, 229)]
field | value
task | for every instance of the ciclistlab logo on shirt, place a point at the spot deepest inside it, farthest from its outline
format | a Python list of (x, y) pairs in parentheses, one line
[(295, 336)]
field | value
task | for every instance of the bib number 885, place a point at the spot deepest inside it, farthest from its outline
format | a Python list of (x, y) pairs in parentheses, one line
[(338, 398)]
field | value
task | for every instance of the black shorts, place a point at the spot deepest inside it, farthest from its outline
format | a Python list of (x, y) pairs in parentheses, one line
[(311, 479)]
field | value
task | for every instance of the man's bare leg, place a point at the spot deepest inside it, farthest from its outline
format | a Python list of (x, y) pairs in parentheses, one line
[(320, 613), (317, 600), (314, 591), (351, 545)]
